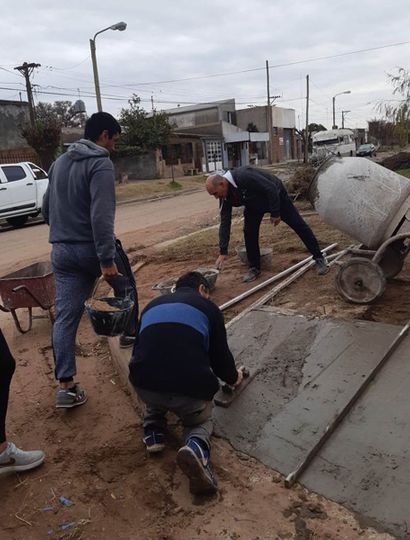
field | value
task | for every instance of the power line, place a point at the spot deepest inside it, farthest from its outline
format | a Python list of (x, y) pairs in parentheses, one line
[(275, 66)]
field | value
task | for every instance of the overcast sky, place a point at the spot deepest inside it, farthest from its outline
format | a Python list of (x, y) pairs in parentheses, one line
[(171, 40)]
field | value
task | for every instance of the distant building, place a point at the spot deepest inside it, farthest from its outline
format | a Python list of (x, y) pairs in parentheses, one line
[(284, 137), (217, 141)]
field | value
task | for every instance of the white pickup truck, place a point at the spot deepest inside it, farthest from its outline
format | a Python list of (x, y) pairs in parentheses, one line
[(22, 188)]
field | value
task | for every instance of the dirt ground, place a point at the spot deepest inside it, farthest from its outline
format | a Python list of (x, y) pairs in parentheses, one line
[(95, 457)]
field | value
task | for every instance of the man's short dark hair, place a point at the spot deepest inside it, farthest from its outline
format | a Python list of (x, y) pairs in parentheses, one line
[(99, 122), (192, 280)]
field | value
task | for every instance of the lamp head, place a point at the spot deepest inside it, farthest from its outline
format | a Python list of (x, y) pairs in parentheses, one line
[(121, 26)]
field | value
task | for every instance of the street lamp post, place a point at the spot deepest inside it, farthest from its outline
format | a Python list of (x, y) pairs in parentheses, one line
[(334, 108), (121, 26)]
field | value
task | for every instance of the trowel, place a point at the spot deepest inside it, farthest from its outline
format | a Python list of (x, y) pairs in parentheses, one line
[(226, 394)]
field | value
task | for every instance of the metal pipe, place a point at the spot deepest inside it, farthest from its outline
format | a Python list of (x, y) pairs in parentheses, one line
[(271, 280), (273, 292)]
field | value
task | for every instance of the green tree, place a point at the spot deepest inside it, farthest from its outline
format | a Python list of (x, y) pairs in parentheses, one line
[(314, 128), (252, 128), (143, 131), (45, 135), (399, 112)]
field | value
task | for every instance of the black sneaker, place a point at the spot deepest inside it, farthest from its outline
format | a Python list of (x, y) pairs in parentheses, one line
[(193, 460), (322, 266), (154, 441), (126, 341), (251, 274)]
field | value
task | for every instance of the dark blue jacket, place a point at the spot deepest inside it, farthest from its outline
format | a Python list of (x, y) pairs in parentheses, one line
[(182, 347), (258, 191)]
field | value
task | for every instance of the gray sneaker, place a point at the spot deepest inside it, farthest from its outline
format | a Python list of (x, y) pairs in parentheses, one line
[(69, 398), (15, 460), (251, 274), (322, 266)]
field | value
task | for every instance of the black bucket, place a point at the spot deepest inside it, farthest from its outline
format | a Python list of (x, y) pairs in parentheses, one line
[(110, 323)]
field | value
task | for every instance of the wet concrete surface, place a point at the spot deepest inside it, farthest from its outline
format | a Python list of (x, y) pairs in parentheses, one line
[(307, 370)]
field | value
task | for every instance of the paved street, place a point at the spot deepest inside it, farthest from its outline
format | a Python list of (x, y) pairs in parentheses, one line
[(21, 246)]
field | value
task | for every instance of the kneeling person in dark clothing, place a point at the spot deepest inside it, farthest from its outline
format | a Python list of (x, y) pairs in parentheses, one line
[(181, 352)]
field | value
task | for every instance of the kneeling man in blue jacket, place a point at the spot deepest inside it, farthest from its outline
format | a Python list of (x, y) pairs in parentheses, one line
[(181, 351)]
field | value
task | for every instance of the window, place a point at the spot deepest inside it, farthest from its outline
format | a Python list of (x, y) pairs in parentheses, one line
[(14, 173), (39, 174)]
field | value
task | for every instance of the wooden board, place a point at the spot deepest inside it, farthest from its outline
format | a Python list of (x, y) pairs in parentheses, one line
[(225, 395)]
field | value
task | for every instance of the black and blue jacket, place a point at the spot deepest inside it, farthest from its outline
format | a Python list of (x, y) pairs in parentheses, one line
[(182, 347)]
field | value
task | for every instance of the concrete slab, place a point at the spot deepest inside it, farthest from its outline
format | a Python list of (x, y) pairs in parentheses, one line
[(308, 369)]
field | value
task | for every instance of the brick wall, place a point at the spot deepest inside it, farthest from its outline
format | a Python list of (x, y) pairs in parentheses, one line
[(19, 154)]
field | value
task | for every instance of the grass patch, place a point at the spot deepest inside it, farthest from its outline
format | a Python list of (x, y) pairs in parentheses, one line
[(175, 186), (143, 189), (404, 172)]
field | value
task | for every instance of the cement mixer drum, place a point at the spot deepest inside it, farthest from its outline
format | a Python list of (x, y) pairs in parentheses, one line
[(361, 198)]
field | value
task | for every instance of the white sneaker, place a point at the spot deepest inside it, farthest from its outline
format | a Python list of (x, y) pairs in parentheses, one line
[(15, 460)]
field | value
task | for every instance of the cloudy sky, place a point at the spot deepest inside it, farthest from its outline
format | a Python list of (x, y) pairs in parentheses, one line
[(186, 51)]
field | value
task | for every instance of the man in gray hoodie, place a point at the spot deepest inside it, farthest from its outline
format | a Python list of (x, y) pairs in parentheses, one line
[(79, 207)]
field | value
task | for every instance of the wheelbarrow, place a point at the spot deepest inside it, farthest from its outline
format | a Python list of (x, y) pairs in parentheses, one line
[(32, 286), (372, 205)]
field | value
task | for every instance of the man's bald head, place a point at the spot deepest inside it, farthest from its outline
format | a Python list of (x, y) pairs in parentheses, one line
[(217, 186)]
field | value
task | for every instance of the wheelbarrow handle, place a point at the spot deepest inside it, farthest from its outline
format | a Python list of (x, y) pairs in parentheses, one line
[(33, 296), (2, 308)]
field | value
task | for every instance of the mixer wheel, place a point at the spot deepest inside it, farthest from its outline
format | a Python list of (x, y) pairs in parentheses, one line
[(360, 281)]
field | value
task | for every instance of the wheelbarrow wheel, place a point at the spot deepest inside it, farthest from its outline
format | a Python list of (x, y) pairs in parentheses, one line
[(391, 262), (360, 281)]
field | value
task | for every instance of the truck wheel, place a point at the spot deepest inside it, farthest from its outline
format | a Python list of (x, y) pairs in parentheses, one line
[(17, 221)]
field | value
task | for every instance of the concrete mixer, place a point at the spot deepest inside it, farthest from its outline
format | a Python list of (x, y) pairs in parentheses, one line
[(372, 205)]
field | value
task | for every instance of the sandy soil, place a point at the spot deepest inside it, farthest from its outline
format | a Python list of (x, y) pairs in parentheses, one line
[(95, 456)]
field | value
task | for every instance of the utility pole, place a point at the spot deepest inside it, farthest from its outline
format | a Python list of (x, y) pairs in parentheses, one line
[(269, 114), (269, 120), (152, 102), (26, 70), (343, 118), (306, 153)]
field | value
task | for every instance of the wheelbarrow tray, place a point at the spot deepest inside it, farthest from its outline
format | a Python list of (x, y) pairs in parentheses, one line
[(32, 286)]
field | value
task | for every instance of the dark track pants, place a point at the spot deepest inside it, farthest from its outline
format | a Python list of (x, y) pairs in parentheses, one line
[(7, 367), (290, 216)]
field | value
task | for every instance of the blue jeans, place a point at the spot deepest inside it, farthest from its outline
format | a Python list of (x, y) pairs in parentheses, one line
[(76, 267)]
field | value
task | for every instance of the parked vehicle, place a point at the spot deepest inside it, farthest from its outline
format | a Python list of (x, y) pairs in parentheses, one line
[(337, 142), (22, 188), (366, 150)]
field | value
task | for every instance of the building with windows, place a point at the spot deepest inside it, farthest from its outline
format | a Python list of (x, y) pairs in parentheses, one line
[(284, 138), (217, 141)]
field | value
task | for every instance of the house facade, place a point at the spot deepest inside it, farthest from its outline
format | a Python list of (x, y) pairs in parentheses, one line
[(284, 138), (223, 144)]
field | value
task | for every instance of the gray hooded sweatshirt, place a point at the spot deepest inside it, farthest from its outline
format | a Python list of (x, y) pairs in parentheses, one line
[(79, 204)]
